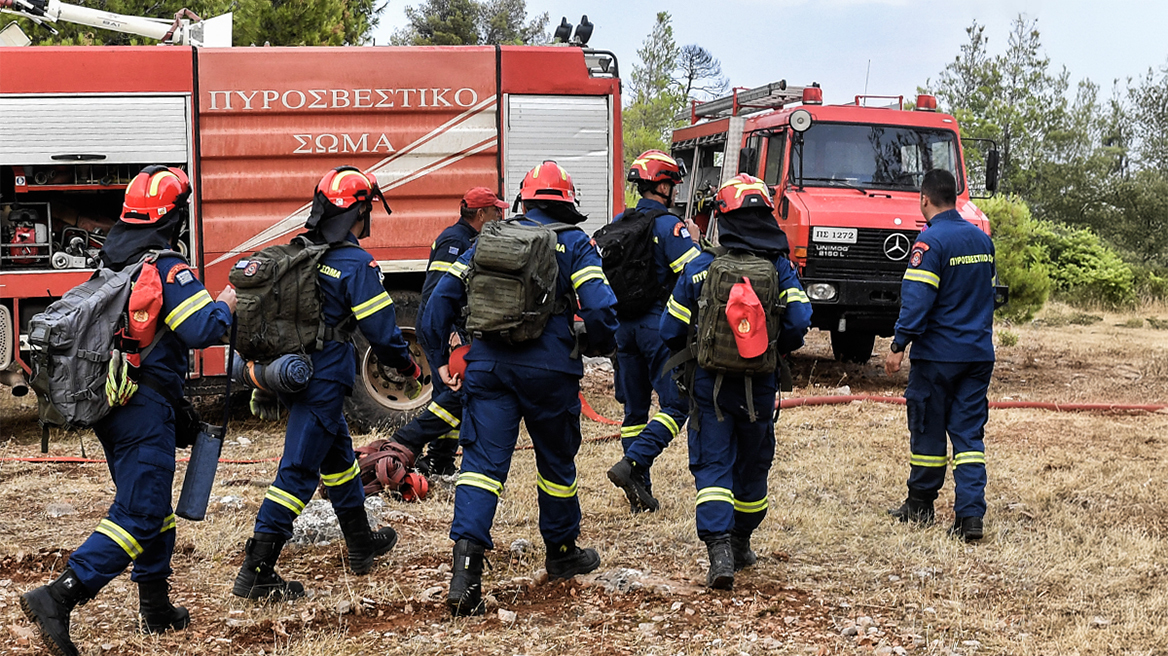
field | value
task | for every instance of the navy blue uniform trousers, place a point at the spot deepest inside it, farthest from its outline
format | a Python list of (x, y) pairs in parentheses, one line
[(438, 425), (949, 398), (138, 440), (498, 395), (640, 356), (317, 448), (730, 459)]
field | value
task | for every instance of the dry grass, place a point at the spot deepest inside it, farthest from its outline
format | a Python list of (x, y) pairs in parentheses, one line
[(1073, 563)]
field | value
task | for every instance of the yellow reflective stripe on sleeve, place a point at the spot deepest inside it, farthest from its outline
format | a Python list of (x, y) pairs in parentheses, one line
[(276, 495), (452, 435), (121, 537), (444, 414), (478, 480), (668, 421), (588, 273), (969, 458), (168, 523), (439, 265), (333, 480), (200, 300), (678, 311), (920, 275), (373, 305), (632, 431), (751, 506), (677, 265), (919, 460), (708, 494), (794, 295), (458, 270), (555, 489)]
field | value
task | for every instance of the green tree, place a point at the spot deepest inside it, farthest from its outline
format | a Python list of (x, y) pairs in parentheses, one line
[(654, 98), (505, 22), (1021, 263), (699, 74), (277, 22), (471, 22)]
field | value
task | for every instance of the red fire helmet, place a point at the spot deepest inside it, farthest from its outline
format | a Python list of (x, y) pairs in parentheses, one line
[(655, 166), (153, 193), (346, 186), (548, 181), (741, 191)]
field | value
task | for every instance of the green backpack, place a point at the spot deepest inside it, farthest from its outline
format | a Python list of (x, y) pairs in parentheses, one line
[(511, 281), (279, 308)]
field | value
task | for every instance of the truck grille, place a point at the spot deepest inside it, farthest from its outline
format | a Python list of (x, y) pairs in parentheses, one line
[(864, 259)]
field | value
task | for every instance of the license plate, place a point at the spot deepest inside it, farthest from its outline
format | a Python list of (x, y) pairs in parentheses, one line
[(834, 235)]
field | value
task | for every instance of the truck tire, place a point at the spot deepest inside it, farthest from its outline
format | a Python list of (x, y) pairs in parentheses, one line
[(377, 401), (852, 346)]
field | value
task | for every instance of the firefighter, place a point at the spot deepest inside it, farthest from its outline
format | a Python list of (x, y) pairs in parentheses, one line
[(139, 433), (947, 314), (537, 381), (730, 450), (438, 424), (640, 353), (317, 446)]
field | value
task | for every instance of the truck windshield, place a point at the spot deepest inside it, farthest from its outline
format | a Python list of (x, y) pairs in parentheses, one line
[(884, 156)]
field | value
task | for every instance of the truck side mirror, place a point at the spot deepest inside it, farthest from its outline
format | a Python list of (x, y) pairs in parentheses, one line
[(784, 207), (992, 161)]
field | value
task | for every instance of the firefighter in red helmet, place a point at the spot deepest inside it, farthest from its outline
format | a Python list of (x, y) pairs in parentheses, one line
[(145, 425), (317, 445)]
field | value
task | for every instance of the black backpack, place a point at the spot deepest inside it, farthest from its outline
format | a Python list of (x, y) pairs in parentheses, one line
[(626, 253)]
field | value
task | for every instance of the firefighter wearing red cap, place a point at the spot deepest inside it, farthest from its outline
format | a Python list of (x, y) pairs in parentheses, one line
[(537, 381), (640, 353), (138, 435), (438, 425), (317, 446), (731, 451)]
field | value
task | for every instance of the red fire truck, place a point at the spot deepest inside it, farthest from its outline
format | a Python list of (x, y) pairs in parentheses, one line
[(846, 180), (256, 128)]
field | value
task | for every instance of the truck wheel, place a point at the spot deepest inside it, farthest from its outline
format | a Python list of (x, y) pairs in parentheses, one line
[(852, 346), (378, 401)]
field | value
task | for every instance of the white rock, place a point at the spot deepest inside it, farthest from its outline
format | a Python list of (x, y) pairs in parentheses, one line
[(972, 644), (59, 510), (243, 441), (884, 651), (231, 502), (317, 524), (647, 627), (677, 605), (899, 651), (843, 390), (1100, 622), (849, 631), (520, 548), (429, 594), (621, 580), (344, 607), (507, 616)]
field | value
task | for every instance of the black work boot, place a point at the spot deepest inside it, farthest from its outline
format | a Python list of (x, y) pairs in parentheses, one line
[(49, 607), (257, 578), (436, 464), (721, 574), (967, 528), (626, 475), (466, 586), (155, 610), (568, 560), (915, 509), (744, 556), (363, 542)]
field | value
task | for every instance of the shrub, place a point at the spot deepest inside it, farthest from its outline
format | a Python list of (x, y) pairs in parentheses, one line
[(1007, 338), (1083, 269), (1151, 283), (1022, 264)]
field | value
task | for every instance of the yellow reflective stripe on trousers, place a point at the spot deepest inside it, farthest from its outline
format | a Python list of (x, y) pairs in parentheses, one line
[(555, 489), (920, 275), (677, 265), (276, 495), (751, 506), (333, 480), (632, 431), (969, 458), (188, 307), (678, 311), (439, 265), (444, 414), (452, 435), (458, 270), (168, 523), (918, 460), (668, 422), (121, 537), (708, 494), (373, 305), (588, 273), (478, 480)]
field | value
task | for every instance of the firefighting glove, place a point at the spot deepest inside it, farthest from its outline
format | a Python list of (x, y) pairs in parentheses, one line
[(265, 405), (412, 385), (119, 386)]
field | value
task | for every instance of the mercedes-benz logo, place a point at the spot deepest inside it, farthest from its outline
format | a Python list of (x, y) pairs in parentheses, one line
[(896, 246)]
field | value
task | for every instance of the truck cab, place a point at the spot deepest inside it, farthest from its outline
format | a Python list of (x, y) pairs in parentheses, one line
[(846, 182)]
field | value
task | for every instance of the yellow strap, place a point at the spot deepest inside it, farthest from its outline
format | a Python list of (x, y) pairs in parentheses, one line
[(677, 265), (920, 275), (751, 506), (444, 414), (478, 480), (120, 536), (679, 311), (555, 489), (196, 302), (276, 495), (333, 480), (373, 305)]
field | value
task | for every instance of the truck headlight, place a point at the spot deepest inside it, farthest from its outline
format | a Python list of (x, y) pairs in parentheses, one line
[(821, 291)]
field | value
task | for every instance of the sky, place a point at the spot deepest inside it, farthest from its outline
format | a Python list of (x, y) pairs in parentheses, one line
[(832, 41)]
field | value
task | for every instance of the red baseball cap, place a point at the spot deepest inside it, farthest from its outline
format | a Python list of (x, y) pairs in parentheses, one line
[(457, 362), (747, 320), (480, 197)]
